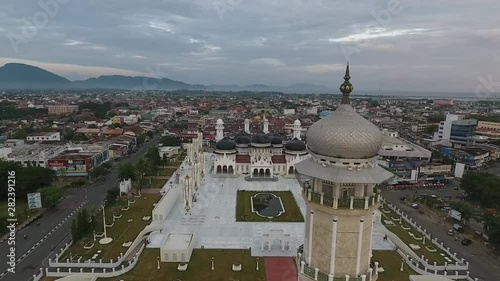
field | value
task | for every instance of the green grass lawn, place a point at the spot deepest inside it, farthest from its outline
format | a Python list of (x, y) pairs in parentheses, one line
[(404, 235), (199, 267), (391, 262), (157, 183), (244, 209), (166, 172), (122, 231)]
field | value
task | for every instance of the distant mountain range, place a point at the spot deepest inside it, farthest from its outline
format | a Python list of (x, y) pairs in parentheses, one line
[(23, 76)]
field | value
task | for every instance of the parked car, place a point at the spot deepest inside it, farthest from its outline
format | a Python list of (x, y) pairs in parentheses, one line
[(414, 206), (466, 242)]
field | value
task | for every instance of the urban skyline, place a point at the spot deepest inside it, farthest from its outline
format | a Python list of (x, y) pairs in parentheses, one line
[(398, 44)]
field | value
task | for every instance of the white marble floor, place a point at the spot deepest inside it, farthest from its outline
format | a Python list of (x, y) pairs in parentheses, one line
[(212, 218)]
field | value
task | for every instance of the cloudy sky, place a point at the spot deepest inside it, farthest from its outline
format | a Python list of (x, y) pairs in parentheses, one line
[(413, 45)]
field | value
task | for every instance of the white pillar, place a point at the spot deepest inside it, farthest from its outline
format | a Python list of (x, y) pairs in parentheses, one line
[(104, 221), (310, 240), (219, 127), (302, 263), (316, 270), (360, 242), (247, 126), (266, 125), (334, 246)]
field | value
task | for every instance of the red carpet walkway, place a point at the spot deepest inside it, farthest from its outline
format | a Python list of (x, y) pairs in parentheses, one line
[(280, 269)]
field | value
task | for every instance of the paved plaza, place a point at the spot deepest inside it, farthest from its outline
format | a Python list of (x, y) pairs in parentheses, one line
[(213, 217)]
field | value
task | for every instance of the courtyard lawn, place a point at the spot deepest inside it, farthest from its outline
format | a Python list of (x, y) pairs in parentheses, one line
[(199, 267), (122, 231), (166, 172), (244, 209), (391, 262), (404, 235), (157, 183)]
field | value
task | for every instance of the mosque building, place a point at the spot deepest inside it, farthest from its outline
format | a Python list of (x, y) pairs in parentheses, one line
[(263, 155)]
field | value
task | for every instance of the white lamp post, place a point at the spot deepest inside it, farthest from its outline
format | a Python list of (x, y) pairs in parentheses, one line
[(402, 264), (158, 263), (257, 265), (213, 263), (104, 221)]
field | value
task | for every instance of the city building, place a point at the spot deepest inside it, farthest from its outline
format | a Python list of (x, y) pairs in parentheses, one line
[(339, 183), (168, 151), (456, 129), (443, 102), (489, 129), (401, 157), (79, 161), (62, 109), (44, 136)]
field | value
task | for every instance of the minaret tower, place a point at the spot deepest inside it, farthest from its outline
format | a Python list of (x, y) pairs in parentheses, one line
[(266, 125), (296, 129), (339, 183), (219, 127), (247, 126)]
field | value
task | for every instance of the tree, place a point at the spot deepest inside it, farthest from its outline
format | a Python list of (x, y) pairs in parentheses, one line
[(150, 134), (107, 165), (85, 221), (483, 188), (74, 231), (431, 129), (165, 160), (112, 194), (170, 141), (98, 172), (153, 156), (141, 139), (28, 179), (466, 210), (50, 196), (80, 225), (127, 171)]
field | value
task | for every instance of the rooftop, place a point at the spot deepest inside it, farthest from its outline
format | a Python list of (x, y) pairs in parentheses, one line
[(412, 150), (178, 241)]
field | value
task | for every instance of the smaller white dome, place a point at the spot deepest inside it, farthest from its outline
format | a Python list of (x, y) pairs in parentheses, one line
[(220, 122), (247, 120), (297, 122)]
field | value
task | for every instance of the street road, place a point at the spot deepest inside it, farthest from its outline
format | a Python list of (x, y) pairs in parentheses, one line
[(95, 194), (482, 264)]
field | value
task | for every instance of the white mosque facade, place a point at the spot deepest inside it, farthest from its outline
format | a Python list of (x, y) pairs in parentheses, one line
[(263, 155)]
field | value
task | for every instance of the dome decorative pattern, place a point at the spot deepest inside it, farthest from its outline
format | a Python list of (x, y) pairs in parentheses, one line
[(225, 144), (261, 138), (295, 145), (276, 139), (344, 133), (242, 138)]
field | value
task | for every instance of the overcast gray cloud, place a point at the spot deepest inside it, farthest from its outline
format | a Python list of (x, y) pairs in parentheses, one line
[(414, 45)]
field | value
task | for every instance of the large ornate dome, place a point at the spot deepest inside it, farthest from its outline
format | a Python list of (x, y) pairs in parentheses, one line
[(344, 133), (225, 144), (295, 145), (261, 138), (242, 138)]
